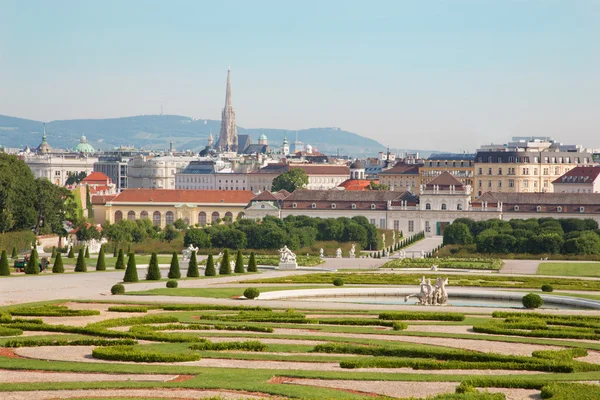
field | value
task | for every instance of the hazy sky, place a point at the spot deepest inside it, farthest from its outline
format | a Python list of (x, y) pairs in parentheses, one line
[(421, 74)]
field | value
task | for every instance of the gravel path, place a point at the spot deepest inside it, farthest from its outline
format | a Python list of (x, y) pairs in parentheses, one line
[(137, 393), (593, 357), (10, 376), (516, 394)]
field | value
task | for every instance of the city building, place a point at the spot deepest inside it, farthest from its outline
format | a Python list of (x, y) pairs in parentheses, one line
[(146, 172), (113, 163), (99, 183), (228, 138), (401, 177), (525, 165), (164, 207), (58, 167), (579, 180), (320, 176), (84, 147), (461, 166)]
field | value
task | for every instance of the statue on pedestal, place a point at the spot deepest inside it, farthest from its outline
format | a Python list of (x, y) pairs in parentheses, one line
[(338, 253), (352, 251), (431, 295), (186, 254), (287, 259), (393, 237), (321, 254), (383, 239)]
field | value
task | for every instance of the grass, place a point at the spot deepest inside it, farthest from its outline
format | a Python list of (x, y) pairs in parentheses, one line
[(590, 269), (219, 293)]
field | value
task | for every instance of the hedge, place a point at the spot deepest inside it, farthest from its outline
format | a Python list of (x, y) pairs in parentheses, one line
[(422, 316), (495, 329), (51, 311), (129, 353), (77, 342), (146, 319), (455, 263), (133, 309), (570, 391), (20, 240), (4, 331), (204, 307), (203, 327), (250, 345)]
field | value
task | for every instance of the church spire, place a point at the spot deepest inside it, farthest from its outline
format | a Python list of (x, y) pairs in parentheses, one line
[(228, 137), (228, 92)]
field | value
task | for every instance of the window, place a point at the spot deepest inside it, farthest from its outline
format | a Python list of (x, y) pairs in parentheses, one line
[(214, 217), (535, 171), (516, 208), (372, 221), (553, 160), (489, 171), (333, 206), (294, 205), (156, 219), (557, 171), (499, 171), (396, 225), (131, 215), (499, 159), (480, 172), (525, 171), (373, 206), (411, 226), (489, 184), (353, 206), (581, 209), (313, 205), (538, 208), (144, 215), (444, 207), (536, 159), (169, 218), (118, 216), (228, 217), (559, 209), (428, 206), (382, 223), (500, 184), (511, 183), (202, 218), (459, 207), (480, 183), (427, 226), (525, 184)]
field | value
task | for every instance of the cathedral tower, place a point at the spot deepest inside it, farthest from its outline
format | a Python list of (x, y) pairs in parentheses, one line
[(228, 138)]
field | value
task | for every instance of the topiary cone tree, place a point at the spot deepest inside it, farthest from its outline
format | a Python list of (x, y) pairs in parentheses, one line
[(87, 252), (225, 268), (58, 267), (100, 264), (120, 263), (32, 264), (210, 266), (252, 267), (239, 263), (192, 271), (80, 266), (71, 253), (153, 273), (53, 255), (174, 272), (14, 252), (4, 268), (131, 274), (115, 251)]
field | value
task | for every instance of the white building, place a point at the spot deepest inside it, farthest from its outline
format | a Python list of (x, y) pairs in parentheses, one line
[(156, 172), (579, 180), (58, 167)]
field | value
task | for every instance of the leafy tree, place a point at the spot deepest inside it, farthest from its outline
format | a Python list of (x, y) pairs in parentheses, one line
[(58, 267), (457, 233), (153, 273), (71, 253), (252, 267), (174, 272), (210, 266), (131, 274), (4, 268), (180, 224), (100, 263), (239, 263), (80, 266), (225, 268), (197, 238), (120, 263), (14, 252), (32, 266), (291, 180), (51, 206), (87, 231), (225, 236), (17, 192), (546, 243), (87, 252), (585, 243), (192, 271), (75, 178), (378, 186), (170, 233)]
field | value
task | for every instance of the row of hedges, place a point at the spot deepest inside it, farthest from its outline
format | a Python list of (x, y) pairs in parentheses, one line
[(202, 327), (458, 263), (6, 331), (51, 311), (77, 342), (273, 260), (208, 307), (422, 316), (495, 328), (250, 345), (130, 353), (129, 309)]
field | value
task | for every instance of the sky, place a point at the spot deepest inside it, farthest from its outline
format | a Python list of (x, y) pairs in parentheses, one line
[(445, 75)]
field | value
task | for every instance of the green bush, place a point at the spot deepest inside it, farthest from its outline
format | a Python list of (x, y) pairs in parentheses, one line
[(251, 293), (80, 265), (239, 263), (205, 307), (250, 345), (338, 282), (6, 331), (128, 309), (120, 263), (131, 274), (76, 342), (209, 270), (547, 288), (204, 327), (32, 266), (225, 268), (100, 262), (172, 283), (192, 271), (71, 253), (53, 255), (174, 272), (51, 311), (4, 267), (14, 252), (153, 273), (87, 252), (117, 289), (570, 391), (252, 267), (532, 301), (129, 353), (399, 326), (422, 316)]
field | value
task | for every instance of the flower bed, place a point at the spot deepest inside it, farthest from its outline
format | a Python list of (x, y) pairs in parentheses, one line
[(458, 263)]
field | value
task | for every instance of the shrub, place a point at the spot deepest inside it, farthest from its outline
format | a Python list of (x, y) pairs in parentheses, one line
[(251, 293), (140, 309), (129, 353), (5, 331), (76, 342), (225, 268), (547, 288), (120, 263), (239, 263), (174, 272), (4, 268), (422, 316), (117, 289), (532, 301), (53, 255), (203, 307), (249, 345), (570, 391), (252, 267), (100, 263), (338, 282), (80, 266), (210, 266), (58, 267), (32, 266), (153, 273), (192, 271), (172, 283), (399, 326), (87, 252), (71, 253), (131, 274), (14, 252), (51, 311)]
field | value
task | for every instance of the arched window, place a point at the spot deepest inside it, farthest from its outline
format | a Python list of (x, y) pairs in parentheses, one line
[(428, 206), (156, 218), (333, 205), (353, 206), (459, 206), (202, 218), (539, 208), (131, 215), (118, 216), (228, 217), (144, 215), (444, 207), (241, 215), (214, 217), (169, 218)]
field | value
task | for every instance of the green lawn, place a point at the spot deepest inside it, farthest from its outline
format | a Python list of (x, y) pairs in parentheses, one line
[(591, 269), (220, 293)]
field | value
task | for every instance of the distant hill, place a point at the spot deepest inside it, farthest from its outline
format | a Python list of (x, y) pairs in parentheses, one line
[(156, 131)]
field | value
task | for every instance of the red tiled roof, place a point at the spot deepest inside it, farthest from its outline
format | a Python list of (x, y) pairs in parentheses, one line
[(356, 184), (96, 177), (101, 200), (183, 196), (579, 175)]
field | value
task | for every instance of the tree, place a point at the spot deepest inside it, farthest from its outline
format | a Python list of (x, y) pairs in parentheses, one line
[(71, 253), (210, 266), (120, 263), (174, 272), (87, 231), (58, 267), (225, 268), (131, 274), (239, 263), (192, 271), (169, 233), (153, 273), (33, 263), (115, 250), (14, 252), (252, 263), (457, 233), (291, 180), (87, 252), (197, 238), (4, 268), (180, 224), (226, 236), (100, 263), (378, 186), (80, 266), (53, 255), (585, 243), (75, 178)]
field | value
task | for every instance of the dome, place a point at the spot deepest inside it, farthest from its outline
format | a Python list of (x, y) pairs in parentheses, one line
[(84, 146), (44, 147), (262, 137), (357, 165)]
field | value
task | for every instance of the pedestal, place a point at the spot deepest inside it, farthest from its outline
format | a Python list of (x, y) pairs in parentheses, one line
[(288, 266)]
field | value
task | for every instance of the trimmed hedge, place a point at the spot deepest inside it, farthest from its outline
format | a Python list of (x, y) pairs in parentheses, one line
[(338, 282), (203, 327), (456, 263), (77, 342), (146, 319), (570, 391), (4, 331), (532, 301), (117, 289), (545, 332), (172, 284), (51, 311), (133, 309), (204, 307), (250, 345), (422, 316), (129, 353), (251, 293)]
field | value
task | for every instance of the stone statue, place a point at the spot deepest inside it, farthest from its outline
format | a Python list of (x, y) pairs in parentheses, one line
[(232, 264), (440, 296), (353, 251), (424, 294), (321, 254), (286, 255), (431, 295), (393, 237), (338, 253), (383, 239), (434, 267), (186, 254)]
